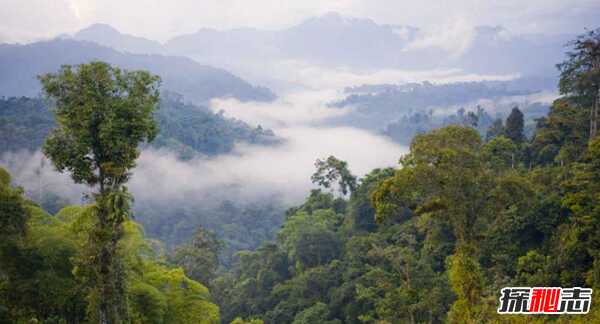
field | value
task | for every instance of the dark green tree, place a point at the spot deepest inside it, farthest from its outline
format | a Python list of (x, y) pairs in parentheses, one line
[(361, 213), (499, 153), (580, 75), (334, 170), (103, 113), (562, 135), (496, 129), (13, 215), (36, 279), (199, 258), (514, 126)]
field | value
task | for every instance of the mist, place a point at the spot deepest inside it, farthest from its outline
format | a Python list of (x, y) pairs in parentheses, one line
[(253, 172), (250, 172)]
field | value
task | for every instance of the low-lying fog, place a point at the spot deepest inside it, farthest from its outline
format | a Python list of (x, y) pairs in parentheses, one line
[(300, 116)]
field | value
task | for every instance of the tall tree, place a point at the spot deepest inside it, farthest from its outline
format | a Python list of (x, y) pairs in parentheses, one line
[(580, 75), (334, 170), (103, 113), (200, 257), (496, 129), (444, 178), (514, 126)]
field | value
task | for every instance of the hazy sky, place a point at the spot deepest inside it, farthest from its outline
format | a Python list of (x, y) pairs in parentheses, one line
[(27, 20)]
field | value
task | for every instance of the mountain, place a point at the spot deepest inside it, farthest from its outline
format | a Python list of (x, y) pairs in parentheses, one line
[(210, 44), (20, 64), (335, 40), (184, 129), (339, 41), (329, 39), (351, 41), (376, 106), (108, 36)]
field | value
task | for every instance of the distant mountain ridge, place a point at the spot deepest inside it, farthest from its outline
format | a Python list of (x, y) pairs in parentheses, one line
[(106, 35), (335, 40), (187, 130), (20, 64)]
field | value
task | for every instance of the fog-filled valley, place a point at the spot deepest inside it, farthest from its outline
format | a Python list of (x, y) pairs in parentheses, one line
[(229, 188), (320, 105)]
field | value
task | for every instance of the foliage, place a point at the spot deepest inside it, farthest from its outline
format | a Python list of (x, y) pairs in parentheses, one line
[(200, 257), (580, 75), (458, 221), (499, 153), (192, 131), (185, 129), (561, 136), (103, 114), (513, 129), (404, 129), (24, 123), (39, 276), (379, 104), (334, 170), (431, 241), (496, 129)]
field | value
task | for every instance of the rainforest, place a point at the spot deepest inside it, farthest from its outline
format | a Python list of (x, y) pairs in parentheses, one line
[(335, 170)]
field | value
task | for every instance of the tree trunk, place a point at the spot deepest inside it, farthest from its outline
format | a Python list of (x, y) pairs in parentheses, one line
[(594, 109), (109, 276), (594, 117)]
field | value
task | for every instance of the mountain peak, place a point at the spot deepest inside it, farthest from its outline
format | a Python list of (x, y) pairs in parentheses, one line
[(334, 20), (109, 36), (331, 16), (98, 28)]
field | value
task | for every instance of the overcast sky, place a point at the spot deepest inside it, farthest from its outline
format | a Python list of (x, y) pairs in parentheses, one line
[(28, 20)]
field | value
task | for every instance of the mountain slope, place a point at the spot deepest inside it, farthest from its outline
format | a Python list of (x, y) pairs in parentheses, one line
[(185, 129), (20, 64)]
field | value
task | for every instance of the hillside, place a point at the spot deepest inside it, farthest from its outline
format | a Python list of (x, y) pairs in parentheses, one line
[(185, 129), (20, 64)]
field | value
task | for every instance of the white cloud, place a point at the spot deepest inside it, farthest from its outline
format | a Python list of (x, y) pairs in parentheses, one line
[(454, 36), (300, 76), (249, 173), (255, 172), (292, 109), (36, 174)]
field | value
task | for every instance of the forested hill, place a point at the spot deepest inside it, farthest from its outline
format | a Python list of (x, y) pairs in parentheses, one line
[(437, 238), (20, 65), (186, 129), (385, 106), (424, 94)]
